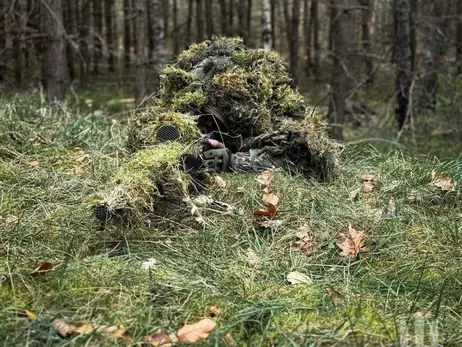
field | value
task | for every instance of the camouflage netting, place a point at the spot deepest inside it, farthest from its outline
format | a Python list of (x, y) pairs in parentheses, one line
[(250, 88), (250, 91)]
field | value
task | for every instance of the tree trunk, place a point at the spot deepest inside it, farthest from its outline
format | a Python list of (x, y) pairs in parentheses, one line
[(459, 38), (209, 19), (274, 4), (241, 22), (287, 23), (16, 20), (85, 40), (98, 32), (295, 23), (150, 24), (432, 55), (307, 25), (402, 58), (188, 36), (166, 17), (127, 34), (266, 24), (200, 20), (344, 46), (231, 6), (69, 25), (2, 28), (176, 29), (159, 40), (413, 24), (316, 48), (109, 14), (141, 56), (330, 44), (57, 74), (365, 39), (224, 17), (248, 17)]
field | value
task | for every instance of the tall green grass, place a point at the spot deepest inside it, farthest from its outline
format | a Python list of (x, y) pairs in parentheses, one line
[(412, 267)]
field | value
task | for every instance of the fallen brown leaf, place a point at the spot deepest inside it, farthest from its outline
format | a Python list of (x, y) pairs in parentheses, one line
[(266, 177), (267, 224), (298, 278), (305, 239), (158, 339), (229, 339), (367, 177), (115, 332), (270, 211), (34, 163), (25, 313), (197, 331), (219, 182), (445, 183), (85, 329), (270, 199), (42, 269), (9, 219), (253, 258), (351, 244), (215, 311), (334, 295)]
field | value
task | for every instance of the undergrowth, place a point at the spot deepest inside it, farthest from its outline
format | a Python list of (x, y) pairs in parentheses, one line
[(410, 273)]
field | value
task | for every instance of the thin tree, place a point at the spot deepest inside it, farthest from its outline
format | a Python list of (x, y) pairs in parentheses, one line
[(109, 14), (84, 39), (176, 29), (70, 27), (200, 20), (2, 28), (274, 10), (365, 39), (224, 17), (57, 73), (98, 34), (188, 36), (127, 33), (16, 20), (266, 25), (209, 19), (316, 48), (241, 22), (159, 39), (231, 6), (402, 58), (342, 74), (294, 41), (166, 12), (140, 18), (459, 38), (248, 18), (150, 23)]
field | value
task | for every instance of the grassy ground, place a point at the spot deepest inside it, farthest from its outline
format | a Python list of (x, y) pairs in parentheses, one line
[(409, 274)]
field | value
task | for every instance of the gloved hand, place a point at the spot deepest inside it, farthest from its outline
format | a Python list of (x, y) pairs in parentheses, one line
[(218, 159)]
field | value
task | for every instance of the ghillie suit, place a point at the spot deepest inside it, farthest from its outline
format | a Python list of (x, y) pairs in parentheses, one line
[(218, 90)]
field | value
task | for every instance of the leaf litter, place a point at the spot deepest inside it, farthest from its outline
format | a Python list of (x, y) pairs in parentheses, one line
[(295, 277), (351, 244)]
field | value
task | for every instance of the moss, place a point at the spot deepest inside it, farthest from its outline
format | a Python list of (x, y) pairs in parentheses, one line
[(188, 101), (232, 83), (142, 131), (174, 79), (289, 103)]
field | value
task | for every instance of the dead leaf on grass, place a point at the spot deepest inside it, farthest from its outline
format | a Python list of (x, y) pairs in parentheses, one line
[(158, 339), (229, 339), (25, 313), (354, 193), (219, 182), (148, 264), (196, 331), (352, 243), (305, 239), (391, 206), (267, 224), (445, 183), (266, 177), (334, 295), (367, 178), (270, 199), (34, 163), (115, 333), (42, 269), (9, 219), (298, 278), (270, 211)]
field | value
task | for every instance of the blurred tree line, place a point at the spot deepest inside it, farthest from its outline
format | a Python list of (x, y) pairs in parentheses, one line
[(341, 42)]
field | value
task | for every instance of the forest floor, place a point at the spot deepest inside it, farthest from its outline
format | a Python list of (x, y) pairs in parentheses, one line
[(57, 263)]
